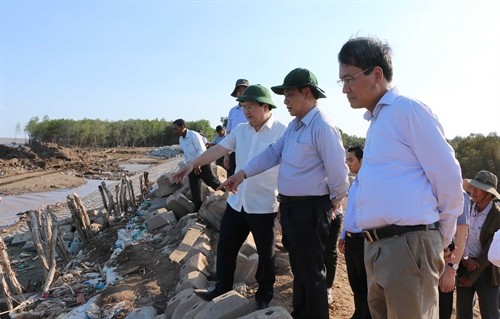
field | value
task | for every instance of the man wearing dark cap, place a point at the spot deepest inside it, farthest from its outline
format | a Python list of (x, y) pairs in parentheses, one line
[(312, 181), (476, 274), (253, 208), (235, 117)]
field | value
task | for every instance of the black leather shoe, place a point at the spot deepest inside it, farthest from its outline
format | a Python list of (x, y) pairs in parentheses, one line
[(262, 305), (207, 295)]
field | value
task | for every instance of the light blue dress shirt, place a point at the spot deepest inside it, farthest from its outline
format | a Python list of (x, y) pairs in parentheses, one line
[(409, 174), (235, 117), (312, 159)]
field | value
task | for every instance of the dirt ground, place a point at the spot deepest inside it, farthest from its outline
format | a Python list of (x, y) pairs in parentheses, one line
[(45, 167)]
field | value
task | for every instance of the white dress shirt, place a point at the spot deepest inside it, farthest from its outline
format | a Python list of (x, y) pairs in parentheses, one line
[(409, 174), (257, 194), (312, 159), (192, 145)]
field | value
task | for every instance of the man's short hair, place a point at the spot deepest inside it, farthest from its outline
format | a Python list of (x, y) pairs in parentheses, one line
[(357, 150), (180, 122), (219, 128), (366, 53)]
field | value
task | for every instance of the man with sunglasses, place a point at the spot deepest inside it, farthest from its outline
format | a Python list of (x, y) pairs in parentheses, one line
[(410, 186), (253, 208)]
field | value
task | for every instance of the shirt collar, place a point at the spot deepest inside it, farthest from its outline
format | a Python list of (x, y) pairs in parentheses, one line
[(307, 119), (387, 99), (484, 211)]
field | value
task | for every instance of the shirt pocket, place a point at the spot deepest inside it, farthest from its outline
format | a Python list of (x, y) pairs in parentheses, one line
[(300, 155)]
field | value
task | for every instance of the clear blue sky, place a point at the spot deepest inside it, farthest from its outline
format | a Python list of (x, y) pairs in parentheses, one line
[(119, 60)]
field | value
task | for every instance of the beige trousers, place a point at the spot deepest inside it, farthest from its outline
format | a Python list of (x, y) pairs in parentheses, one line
[(403, 275)]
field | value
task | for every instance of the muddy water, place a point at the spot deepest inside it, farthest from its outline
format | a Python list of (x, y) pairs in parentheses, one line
[(11, 205)]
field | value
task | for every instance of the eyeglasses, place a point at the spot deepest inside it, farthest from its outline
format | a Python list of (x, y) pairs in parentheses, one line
[(248, 108), (348, 79)]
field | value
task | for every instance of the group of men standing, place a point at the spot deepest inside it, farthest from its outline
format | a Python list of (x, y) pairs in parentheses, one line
[(402, 207)]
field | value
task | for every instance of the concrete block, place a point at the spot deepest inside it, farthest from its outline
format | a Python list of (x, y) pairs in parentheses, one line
[(249, 248), (21, 239), (201, 245), (193, 279), (29, 246), (198, 262), (187, 304), (176, 300), (226, 306), (180, 205), (165, 185), (158, 219), (196, 309), (220, 172), (275, 312), (212, 210), (246, 267), (187, 243), (157, 203), (147, 312)]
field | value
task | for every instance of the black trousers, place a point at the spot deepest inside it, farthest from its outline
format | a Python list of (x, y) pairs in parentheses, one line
[(445, 304), (305, 225), (234, 229), (356, 272), (208, 176), (232, 164), (330, 256), (487, 296)]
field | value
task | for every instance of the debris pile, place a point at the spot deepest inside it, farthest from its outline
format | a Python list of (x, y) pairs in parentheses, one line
[(166, 151), (148, 262)]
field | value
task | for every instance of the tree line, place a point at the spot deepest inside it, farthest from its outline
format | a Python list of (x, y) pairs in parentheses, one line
[(474, 152)]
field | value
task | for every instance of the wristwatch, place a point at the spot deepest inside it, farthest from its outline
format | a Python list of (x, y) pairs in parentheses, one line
[(454, 266)]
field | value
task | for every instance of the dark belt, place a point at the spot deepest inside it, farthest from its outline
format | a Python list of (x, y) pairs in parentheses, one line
[(355, 235), (291, 199), (372, 235)]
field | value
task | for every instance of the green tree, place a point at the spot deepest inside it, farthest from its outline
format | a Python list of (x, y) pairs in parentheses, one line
[(478, 152)]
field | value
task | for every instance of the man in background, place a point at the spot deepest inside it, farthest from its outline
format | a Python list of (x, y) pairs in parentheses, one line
[(352, 241), (192, 145), (235, 117), (221, 133)]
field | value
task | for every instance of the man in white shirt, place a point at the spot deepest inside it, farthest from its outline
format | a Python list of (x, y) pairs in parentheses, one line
[(192, 145), (410, 187), (253, 208)]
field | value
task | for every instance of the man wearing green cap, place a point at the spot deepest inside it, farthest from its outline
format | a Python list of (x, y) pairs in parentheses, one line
[(253, 208), (312, 181)]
